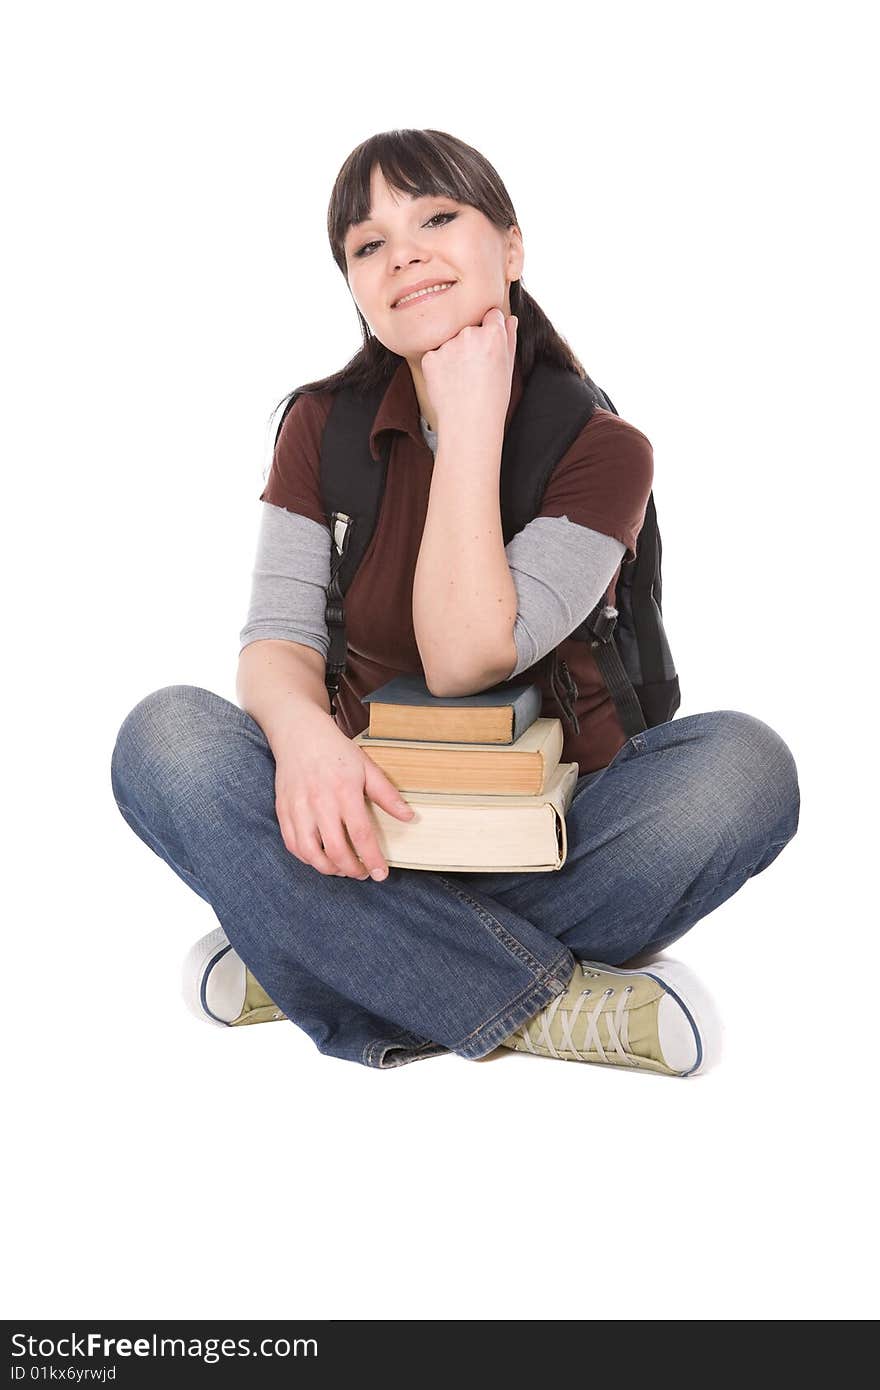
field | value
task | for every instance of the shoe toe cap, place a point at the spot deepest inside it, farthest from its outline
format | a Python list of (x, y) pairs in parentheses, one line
[(224, 986), (679, 1040), (213, 980), (689, 1023)]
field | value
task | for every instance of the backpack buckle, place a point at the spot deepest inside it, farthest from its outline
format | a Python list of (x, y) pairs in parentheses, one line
[(603, 625), (564, 688), (568, 682)]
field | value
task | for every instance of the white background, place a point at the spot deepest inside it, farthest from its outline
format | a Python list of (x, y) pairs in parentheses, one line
[(693, 185)]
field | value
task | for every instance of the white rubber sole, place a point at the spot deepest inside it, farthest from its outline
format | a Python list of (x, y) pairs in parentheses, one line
[(690, 1030), (215, 994)]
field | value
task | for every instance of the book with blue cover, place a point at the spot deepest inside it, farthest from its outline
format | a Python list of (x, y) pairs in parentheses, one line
[(404, 708)]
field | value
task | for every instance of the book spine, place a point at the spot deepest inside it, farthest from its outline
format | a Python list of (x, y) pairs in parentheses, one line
[(526, 709)]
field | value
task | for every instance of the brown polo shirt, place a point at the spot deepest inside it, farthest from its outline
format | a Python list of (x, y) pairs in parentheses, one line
[(602, 482)]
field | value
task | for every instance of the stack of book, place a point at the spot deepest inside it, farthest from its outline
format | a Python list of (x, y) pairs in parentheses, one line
[(481, 772)]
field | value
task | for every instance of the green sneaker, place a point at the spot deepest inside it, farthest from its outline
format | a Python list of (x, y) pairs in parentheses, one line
[(659, 1019), (219, 988)]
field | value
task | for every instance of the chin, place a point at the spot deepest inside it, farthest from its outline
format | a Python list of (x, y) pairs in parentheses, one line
[(432, 335)]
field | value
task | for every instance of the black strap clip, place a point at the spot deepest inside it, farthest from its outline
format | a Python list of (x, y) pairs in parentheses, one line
[(603, 624), (564, 688)]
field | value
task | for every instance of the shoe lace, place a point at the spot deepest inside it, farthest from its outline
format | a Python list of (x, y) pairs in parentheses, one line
[(617, 1025)]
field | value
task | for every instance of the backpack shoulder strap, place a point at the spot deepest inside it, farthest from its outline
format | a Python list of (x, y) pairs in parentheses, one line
[(352, 486), (555, 406), (351, 481)]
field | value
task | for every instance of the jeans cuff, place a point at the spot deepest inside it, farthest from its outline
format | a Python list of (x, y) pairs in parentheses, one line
[(400, 1048), (552, 982), (403, 1046)]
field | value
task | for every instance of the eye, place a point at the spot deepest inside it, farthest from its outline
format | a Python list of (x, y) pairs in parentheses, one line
[(444, 216)]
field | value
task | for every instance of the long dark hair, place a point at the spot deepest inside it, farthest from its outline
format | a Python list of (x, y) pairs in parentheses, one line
[(429, 163)]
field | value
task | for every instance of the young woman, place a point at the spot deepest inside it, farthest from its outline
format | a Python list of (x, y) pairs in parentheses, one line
[(263, 809)]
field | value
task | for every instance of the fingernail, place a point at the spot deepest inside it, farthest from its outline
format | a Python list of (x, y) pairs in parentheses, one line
[(379, 874)]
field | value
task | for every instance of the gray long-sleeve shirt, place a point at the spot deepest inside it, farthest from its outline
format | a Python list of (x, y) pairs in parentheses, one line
[(560, 570)]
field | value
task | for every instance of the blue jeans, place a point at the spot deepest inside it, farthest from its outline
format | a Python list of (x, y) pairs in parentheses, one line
[(426, 963)]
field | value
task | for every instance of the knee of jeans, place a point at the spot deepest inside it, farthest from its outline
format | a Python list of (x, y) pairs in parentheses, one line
[(768, 762), (159, 729)]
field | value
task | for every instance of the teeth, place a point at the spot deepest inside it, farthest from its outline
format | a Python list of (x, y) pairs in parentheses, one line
[(432, 289)]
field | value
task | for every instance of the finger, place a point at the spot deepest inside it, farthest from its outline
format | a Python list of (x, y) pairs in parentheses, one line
[(288, 829), (308, 840), (336, 843), (317, 854), (362, 831), (288, 834), (381, 790)]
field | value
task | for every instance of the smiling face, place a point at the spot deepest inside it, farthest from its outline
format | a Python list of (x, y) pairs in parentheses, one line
[(434, 238)]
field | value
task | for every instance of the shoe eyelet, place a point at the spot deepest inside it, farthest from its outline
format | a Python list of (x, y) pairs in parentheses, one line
[(628, 990), (609, 991)]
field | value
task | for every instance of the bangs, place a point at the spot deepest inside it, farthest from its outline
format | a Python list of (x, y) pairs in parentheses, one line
[(412, 164)]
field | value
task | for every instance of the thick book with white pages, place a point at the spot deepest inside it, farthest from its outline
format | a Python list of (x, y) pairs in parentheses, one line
[(480, 834)]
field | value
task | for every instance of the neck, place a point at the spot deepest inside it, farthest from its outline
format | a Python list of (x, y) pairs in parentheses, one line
[(424, 400)]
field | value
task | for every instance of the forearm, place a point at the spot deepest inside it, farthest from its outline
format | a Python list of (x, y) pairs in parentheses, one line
[(464, 598), (281, 686)]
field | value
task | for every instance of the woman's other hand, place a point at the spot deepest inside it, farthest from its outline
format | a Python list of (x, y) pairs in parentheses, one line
[(322, 781)]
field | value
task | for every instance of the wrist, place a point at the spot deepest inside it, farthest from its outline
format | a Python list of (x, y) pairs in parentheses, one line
[(469, 437), (296, 723)]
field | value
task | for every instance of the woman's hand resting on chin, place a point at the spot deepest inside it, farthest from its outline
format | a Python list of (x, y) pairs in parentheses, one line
[(468, 377)]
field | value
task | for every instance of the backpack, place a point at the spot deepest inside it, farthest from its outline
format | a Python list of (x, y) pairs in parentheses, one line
[(629, 642)]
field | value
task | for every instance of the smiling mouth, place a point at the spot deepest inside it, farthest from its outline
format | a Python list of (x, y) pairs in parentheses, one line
[(421, 298)]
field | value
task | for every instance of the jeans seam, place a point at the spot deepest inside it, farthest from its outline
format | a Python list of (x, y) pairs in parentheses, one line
[(536, 994), (533, 997), (511, 943)]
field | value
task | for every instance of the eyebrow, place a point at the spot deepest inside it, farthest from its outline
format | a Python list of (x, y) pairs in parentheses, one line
[(420, 198)]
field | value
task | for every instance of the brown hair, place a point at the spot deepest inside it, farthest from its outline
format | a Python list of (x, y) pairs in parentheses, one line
[(422, 163)]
